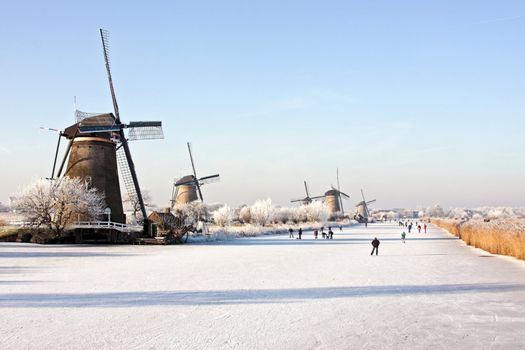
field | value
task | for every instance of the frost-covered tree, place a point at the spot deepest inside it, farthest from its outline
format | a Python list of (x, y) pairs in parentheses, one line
[(300, 214), (223, 216), (245, 216), (191, 213), (283, 215), (317, 212), (56, 204), (262, 211)]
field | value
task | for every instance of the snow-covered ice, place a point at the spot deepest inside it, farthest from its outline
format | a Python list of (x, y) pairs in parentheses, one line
[(267, 292)]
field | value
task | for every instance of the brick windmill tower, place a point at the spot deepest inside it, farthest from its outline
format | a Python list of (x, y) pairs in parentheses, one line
[(98, 147)]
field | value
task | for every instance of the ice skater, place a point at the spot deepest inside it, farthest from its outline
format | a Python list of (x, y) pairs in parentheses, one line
[(315, 234), (409, 227), (290, 230), (323, 234), (425, 228), (330, 234), (403, 235), (375, 245), (419, 228), (340, 228), (300, 232)]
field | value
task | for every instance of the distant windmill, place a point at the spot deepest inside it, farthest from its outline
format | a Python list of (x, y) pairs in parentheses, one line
[(306, 200), (97, 142), (362, 212), (334, 200), (188, 188)]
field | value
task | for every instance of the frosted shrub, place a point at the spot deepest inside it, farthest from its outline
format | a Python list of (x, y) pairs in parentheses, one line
[(262, 212), (190, 213), (283, 215), (245, 215), (300, 214), (56, 204), (317, 212), (223, 216)]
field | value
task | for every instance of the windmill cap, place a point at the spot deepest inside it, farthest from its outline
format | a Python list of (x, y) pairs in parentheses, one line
[(184, 179), (331, 193)]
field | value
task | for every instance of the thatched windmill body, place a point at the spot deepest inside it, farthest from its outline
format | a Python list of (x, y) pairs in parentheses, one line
[(188, 188), (98, 146), (362, 213), (333, 200)]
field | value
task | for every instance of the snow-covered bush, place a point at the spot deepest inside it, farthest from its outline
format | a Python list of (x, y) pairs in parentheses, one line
[(245, 215), (56, 204), (191, 213), (300, 214), (282, 215), (316, 212), (262, 211), (223, 216)]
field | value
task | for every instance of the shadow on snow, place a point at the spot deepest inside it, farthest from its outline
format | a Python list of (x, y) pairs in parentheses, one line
[(220, 297)]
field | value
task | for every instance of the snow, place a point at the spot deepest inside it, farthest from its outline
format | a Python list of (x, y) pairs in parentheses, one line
[(267, 292)]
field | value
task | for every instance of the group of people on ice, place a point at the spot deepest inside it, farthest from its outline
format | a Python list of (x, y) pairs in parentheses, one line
[(409, 225), (325, 235)]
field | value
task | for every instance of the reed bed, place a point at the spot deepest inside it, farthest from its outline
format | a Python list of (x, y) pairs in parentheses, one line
[(502, 236)]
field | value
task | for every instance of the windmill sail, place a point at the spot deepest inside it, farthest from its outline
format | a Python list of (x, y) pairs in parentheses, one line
[(104, 35), (145, 131)]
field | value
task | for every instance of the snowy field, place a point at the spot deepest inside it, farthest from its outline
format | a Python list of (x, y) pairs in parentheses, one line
[(268, 292)]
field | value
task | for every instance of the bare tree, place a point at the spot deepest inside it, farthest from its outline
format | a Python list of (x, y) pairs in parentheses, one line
[(132, 204), (56, 204)]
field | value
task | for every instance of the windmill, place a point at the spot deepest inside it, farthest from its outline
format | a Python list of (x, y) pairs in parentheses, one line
[(306, 200), (98, 142), (188, 188), (333, 199), (362, 213)]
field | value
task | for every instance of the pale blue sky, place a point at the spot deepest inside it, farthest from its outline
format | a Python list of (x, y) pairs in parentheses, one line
[(417, 102)]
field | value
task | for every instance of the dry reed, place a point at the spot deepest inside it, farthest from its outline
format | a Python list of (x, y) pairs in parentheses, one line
[(505, 237)]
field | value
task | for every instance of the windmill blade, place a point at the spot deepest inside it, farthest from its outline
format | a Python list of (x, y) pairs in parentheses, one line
[(317, 197), (344, 195), (340, 193), (104, 36), (298, 200), (126, 163), (209, 179), (370, 202), (195, 173), (145, 130), (80, 116), (363, 195), (306, 189)]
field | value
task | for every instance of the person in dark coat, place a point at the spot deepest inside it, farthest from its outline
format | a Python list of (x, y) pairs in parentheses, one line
[(290, 230), (331, 234), (316, 233), (300, 232), (375, 245)]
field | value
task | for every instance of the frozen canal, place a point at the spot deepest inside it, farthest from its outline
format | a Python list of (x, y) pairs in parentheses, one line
[(264, 293)]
